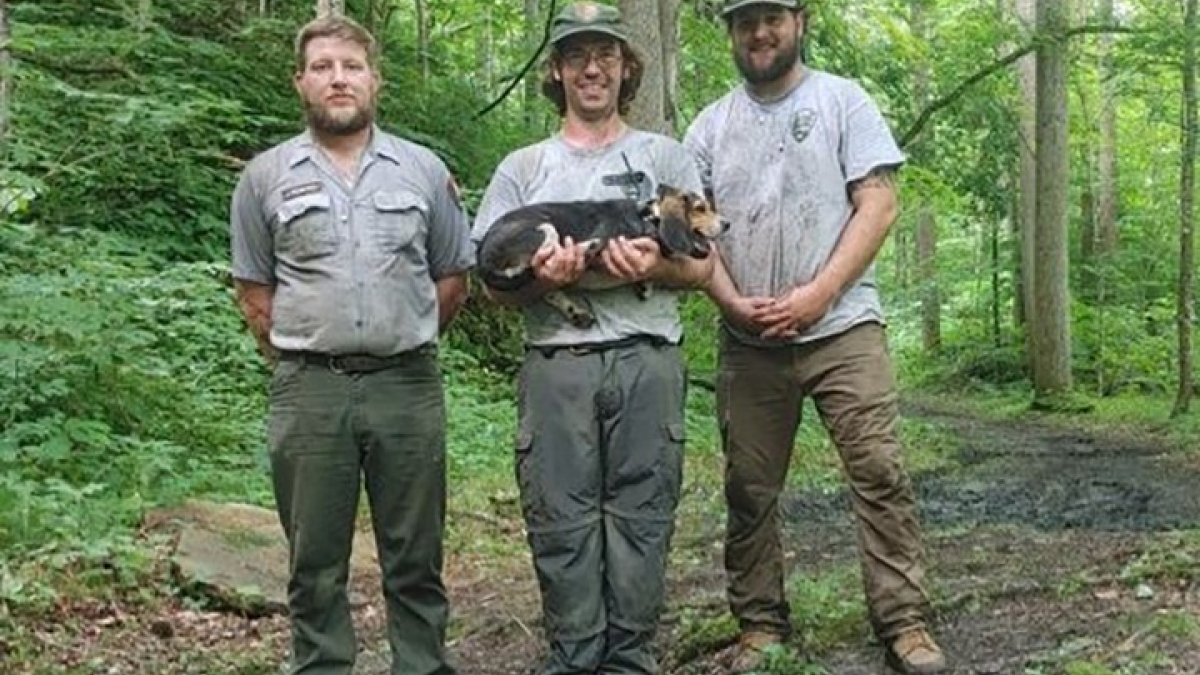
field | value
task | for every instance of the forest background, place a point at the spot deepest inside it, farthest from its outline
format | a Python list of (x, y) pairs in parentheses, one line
[(1043, 262)]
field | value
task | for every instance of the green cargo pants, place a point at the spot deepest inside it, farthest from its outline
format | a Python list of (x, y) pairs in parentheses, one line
[(599, 458), (326, 432), (759, 396)]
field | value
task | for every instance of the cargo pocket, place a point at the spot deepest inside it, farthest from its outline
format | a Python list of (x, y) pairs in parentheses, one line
[(672, 464), (398, 218), (523, 466), (305, 227)]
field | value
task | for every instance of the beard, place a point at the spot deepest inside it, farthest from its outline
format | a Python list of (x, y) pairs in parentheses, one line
[(785, 60), (324, 121)]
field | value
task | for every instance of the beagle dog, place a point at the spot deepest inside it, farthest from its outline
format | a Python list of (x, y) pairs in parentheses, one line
[(682, 223)]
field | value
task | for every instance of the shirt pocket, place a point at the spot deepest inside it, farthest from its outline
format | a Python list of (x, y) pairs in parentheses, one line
[(396, 219), (306, 230)]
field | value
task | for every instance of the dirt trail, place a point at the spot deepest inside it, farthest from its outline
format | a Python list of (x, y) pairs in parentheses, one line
[(1046, 548), (1031, 542)]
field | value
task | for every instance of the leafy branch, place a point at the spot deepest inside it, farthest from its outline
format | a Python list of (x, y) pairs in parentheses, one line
[(528, 64), (927, 113)]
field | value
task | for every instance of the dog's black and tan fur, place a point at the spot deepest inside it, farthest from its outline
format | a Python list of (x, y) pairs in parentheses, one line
[(681, 222)]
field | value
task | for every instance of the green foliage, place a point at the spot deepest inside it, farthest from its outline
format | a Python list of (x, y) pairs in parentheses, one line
[(1175, 557), (123, 381), (834, 612)]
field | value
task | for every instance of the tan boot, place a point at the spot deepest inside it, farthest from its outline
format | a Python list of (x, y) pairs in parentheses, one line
[(914, 652), (749, 655)]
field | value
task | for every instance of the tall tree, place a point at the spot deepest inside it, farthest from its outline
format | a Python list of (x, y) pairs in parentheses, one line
[(1027, 190), (5, 79), (668, 22), (931, 304), (1106, 161), (1050, 323), (1187, 214), (533, 40), (145, 15), (658, 44)]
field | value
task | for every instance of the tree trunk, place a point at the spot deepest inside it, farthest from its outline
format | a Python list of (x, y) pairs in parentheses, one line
[(1050, 322), (533, 39), (668, 21), (331, 8), (422, 12), (263, 7), (1087, 225), (996, 227), (145, 15), (643, 18), (5, 80), (1027, 191), (1106, 162), (931, 306), (1187, 214)]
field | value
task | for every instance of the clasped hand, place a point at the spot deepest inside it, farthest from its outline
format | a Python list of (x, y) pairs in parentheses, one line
[(783, 317)]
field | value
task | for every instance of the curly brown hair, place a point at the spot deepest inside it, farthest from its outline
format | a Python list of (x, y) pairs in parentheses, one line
[(554, 90), (340, 27)]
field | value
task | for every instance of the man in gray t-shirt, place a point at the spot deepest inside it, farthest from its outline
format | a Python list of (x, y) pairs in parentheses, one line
[(350, 254), (801, 163), (599, 448)]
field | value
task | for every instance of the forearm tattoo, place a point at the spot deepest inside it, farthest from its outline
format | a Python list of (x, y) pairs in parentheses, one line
[(881, 177)]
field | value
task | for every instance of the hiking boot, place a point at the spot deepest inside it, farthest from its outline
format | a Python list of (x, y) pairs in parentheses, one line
[(914, 652), (749, 655)]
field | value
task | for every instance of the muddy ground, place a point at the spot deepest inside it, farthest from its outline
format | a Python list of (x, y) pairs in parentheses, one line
[(1038, 545), (1050, 551)]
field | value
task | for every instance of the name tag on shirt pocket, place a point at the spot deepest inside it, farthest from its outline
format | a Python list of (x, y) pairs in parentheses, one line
[(306, 228), (398, 219)]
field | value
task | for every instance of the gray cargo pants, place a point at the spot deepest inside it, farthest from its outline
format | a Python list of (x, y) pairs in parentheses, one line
[(599, 457)]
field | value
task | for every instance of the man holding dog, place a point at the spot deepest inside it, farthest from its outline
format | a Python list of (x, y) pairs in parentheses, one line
[(601, 425), (802, 164), (350, 252)]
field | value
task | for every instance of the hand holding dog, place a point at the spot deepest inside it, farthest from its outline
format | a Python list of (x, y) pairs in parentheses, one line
[(558, 265), (631, 260), (794, 311)]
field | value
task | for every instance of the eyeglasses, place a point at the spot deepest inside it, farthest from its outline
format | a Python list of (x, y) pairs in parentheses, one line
[(579, 57)]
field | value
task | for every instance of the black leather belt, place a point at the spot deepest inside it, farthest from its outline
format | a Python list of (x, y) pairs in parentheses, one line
[(355, 363), (585, 348)]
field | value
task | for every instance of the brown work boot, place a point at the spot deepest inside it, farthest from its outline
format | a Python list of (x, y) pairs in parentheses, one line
[(914, 652), (750, 653)]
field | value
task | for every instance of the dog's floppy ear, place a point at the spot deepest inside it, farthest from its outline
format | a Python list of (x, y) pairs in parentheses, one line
[(674, 235)]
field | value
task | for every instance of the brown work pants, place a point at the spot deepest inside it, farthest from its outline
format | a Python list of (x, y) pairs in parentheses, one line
[(760, 392)]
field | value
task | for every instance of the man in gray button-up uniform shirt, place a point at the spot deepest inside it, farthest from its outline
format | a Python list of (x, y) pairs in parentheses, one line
[(349, 253)]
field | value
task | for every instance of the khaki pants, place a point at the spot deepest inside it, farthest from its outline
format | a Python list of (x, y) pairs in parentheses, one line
[(759, 397), (599, 461), (329, 432)]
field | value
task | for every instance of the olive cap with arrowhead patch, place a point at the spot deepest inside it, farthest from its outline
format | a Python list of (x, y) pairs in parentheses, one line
[(732, 6), (587, 17)]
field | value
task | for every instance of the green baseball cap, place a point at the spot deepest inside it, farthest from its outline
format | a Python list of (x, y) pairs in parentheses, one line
[(587, 17), (732, 6)]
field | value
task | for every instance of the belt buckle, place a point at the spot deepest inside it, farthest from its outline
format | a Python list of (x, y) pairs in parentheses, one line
[(580, 350), (336, 365)]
